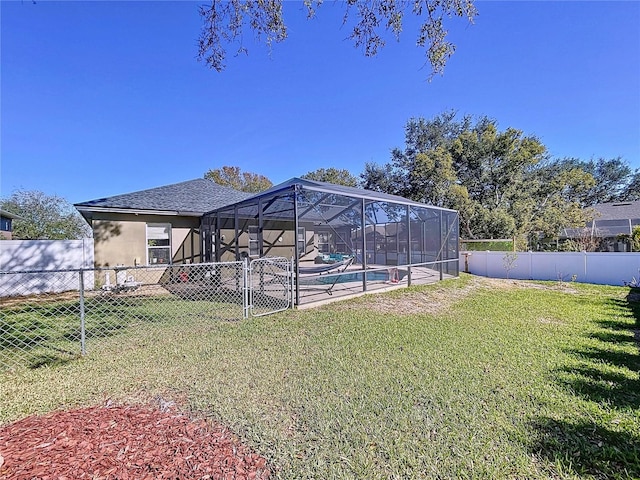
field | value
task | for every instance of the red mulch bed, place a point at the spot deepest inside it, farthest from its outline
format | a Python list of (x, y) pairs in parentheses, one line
[(123, 442)]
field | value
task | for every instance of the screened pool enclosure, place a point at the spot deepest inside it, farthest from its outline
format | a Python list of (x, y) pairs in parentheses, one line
[(341, 240)]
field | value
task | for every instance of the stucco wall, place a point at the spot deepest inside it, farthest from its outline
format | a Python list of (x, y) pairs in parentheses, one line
[(122, 239), (277, 243)]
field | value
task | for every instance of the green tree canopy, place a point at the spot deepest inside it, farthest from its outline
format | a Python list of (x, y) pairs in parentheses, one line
[(244, 181), (333, 175), (632, 192), (44, 217), (501, 181), (613, 179), (225, 24)]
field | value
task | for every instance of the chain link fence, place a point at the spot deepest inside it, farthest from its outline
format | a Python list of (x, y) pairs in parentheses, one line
[(48, 317), (270, 285)]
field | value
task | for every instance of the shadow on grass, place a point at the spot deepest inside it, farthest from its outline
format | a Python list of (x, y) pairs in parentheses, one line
[(32, 335), (52, 359), (606, 373), (588, 449), (604, 387), (615, 337)]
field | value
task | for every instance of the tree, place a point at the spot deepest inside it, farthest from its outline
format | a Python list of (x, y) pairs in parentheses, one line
[(635, 239), (555, 203), (224, 23), (613, 179), (420, 165), (632, 191), (499, 181), (379, 178), (244, 181), (44, 217), (333, 175)]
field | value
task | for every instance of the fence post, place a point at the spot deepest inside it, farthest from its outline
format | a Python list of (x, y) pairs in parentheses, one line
[(586, 272), (245, 288), (292, 281), (83, 348)]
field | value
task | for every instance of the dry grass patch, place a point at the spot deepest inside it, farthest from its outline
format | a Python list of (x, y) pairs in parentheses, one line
[(439, 298)]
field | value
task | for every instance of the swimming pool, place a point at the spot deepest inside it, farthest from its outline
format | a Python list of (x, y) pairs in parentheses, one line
[(375, 275)]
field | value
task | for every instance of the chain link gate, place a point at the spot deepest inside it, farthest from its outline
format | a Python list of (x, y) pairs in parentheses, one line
[(269, 286)]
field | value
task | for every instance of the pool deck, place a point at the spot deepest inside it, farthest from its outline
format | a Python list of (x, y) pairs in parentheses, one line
[(315, 295)]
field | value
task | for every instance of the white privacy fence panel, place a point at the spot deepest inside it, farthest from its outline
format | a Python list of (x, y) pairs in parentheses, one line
[(45, 254), (558, 266), (605, 268), (52, 257)]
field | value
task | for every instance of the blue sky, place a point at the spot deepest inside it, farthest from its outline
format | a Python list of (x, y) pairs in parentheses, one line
[(103, 98)]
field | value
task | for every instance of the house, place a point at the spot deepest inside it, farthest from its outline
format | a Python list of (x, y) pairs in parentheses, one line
[(158, 225), (611, 227), (6, 227)]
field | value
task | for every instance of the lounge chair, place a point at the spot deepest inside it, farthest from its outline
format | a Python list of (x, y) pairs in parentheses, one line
[(326, 267)]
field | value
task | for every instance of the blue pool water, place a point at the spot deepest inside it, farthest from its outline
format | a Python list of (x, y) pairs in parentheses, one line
[(381, 275)]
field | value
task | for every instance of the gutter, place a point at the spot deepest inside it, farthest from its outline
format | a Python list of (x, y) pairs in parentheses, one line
[(87, 211)]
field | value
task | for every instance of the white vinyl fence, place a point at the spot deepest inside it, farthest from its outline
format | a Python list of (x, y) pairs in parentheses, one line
[(604, 268), (46, 256)]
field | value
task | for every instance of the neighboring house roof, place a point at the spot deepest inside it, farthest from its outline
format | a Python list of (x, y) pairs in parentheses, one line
[(10, 215), (610, 220), (617, 210), (190, 198)]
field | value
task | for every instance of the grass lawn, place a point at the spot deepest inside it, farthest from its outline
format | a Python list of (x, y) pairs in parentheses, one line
[(468, 378)]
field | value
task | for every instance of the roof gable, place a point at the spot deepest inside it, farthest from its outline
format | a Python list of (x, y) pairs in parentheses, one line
[(193, 197)]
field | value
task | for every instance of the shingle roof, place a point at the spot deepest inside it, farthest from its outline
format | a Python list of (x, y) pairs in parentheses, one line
[(617, 210), (193, 197)]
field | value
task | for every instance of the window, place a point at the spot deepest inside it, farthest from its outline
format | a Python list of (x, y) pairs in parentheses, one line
[(158, 243), (302, 240), (324, 242), (254, 247)]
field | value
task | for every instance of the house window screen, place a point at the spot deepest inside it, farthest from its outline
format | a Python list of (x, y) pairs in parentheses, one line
[(158, 243)]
